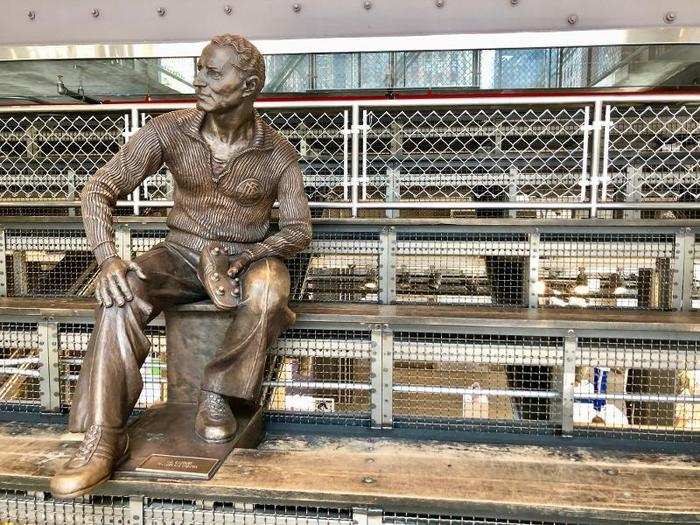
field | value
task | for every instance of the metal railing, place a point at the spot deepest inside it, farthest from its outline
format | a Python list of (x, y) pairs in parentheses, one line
[(503, 376), (567, 377), (563, 156), (585, 264)]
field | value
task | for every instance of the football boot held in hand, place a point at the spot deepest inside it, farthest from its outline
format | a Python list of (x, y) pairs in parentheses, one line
[(224, 291)]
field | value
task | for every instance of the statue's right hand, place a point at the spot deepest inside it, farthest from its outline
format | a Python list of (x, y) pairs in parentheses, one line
[(112, 286)]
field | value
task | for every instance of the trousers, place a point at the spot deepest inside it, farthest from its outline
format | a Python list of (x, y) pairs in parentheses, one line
[(110, 380)]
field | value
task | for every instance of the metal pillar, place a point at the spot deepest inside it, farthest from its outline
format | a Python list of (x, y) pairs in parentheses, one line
[(382, 364), (567, 384), (49, 383)]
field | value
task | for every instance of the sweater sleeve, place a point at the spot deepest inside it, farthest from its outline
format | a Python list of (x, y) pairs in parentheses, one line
[(140, 157), (294, 218)]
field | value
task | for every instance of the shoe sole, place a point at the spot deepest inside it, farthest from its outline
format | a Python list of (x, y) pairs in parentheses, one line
[(82, 492)]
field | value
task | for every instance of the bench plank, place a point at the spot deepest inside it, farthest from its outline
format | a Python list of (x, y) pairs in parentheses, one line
[(421, 475)]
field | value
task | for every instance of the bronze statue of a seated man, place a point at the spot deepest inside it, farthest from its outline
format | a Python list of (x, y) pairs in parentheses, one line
[(229, 167)]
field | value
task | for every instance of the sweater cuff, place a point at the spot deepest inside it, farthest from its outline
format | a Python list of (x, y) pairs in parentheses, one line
[(105, 251)]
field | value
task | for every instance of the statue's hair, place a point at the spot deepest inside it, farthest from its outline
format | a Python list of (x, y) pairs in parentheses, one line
[(247, 57)]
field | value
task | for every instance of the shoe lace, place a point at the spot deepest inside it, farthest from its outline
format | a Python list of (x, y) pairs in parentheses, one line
[(216, 405), (92, 437)]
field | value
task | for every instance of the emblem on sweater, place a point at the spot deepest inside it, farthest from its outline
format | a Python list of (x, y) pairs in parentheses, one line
[(249, 192)]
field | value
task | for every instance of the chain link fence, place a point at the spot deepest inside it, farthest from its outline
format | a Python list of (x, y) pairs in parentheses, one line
[(520, 153)]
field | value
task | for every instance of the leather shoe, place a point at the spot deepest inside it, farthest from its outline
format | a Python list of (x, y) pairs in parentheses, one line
[(214, 422), (101, 451)]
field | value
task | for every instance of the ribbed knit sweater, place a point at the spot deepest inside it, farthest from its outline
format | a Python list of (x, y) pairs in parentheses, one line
[(235, 210)]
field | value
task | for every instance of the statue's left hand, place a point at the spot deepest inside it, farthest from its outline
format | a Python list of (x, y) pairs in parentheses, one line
[(238, 264)]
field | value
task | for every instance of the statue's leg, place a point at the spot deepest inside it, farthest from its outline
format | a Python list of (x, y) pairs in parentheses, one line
[(110, 380), (237, 368)]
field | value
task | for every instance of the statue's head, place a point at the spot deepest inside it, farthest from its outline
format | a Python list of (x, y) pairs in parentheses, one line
[(230, 71)]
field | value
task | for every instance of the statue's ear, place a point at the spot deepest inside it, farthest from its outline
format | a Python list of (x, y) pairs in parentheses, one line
[(250, 88)]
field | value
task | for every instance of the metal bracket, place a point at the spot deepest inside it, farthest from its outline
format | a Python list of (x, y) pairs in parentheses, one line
[(680, 272), (686, 266), (122, 238), (3, 264), (387, 265), (136, 510), (49, 373), (365, 516), (567, 384), (534, 268), (382, 365)]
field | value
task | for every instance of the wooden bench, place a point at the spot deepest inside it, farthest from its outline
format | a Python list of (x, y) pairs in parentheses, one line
[(414, 480)]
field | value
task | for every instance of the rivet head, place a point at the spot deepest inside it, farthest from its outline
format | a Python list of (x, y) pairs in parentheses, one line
[(95, 13), (439, 3), (228, 9), (572, 19), (220, 290), (296, 7), (670, 17), (367, 4), (162, 11), (368, 480), (215, 276), (571, 332), (514, 2), (31, 15)]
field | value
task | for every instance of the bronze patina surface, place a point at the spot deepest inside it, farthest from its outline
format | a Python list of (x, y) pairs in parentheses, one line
[(229, 168)]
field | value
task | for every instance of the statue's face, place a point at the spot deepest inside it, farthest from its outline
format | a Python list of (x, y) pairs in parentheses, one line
[(219, 84)]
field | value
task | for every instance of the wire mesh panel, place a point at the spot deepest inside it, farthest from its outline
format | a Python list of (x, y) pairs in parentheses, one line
[(411, 518), (176, 512), (20, 374), (462, 268), (159, 186), (642, 388), (143, 240), (321, 139), (476, 154), (653, 154), (503, 383), (73, 341), (607, 270), (47, 262), (31, 508), (695, 286), (49, 156), (319, 376), (337, 266)]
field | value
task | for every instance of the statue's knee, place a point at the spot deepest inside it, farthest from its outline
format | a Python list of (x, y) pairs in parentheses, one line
[(266, 285)]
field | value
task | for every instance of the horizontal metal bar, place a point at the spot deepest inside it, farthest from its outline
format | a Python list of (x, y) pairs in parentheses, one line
[(318, 385), (661, 398), (18, 361), (130, 204), (529, 205), (474, 391), (382, 102), (443, 205), (20, 372), (493, 353)]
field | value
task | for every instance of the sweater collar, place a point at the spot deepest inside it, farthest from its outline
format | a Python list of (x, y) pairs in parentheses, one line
[(262, 139)]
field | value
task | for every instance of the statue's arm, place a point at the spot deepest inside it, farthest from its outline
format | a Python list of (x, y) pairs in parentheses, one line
[(294, 218), (140, 157)]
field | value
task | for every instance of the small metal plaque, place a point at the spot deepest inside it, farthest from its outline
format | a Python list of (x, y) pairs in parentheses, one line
[(180, 466)]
